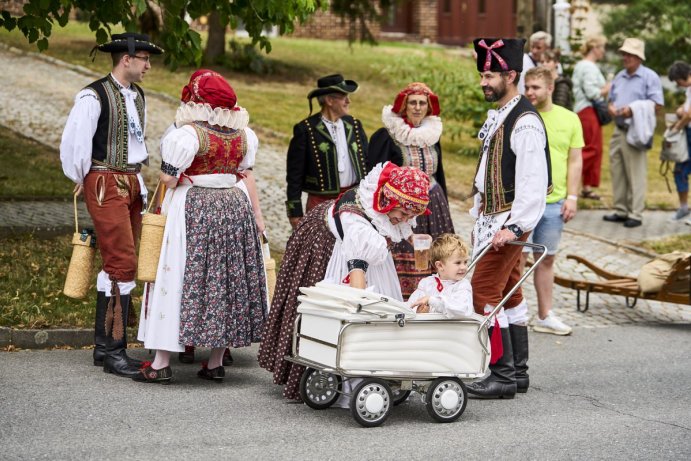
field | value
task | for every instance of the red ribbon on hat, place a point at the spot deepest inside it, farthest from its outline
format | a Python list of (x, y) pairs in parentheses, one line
[(491, 52)]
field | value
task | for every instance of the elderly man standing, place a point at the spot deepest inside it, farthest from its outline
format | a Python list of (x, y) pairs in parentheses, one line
[(538, 43), (635, 97), (510, 186), (102, 151), (327, 154)]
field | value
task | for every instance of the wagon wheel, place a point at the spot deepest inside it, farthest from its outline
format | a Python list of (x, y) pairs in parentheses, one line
[(399, 396), (446, 399), (371, 403), (319, 390)]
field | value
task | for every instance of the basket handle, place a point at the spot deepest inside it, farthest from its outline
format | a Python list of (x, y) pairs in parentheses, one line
[(76, 222), (153, 197)]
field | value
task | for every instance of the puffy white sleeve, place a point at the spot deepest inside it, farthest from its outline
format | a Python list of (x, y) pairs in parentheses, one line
[(422, 290), (252, 147), (362, 241), (455, 301), (528, 141), (178, 148), (77, 137)]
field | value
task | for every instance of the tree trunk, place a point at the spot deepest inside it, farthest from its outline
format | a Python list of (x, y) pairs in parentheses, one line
[(216, 44)]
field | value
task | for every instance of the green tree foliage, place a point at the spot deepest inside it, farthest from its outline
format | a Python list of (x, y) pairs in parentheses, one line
[(182, 44), (359, 13), (663, 24)]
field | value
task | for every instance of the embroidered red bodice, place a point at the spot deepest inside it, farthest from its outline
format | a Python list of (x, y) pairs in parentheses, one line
[(220, 150)]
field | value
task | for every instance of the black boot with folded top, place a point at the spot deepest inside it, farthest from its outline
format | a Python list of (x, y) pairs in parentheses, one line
[(501, 383)]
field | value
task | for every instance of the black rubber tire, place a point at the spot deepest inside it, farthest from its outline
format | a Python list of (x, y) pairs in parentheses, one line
[(367, 386), (433, 404), (319, 401)]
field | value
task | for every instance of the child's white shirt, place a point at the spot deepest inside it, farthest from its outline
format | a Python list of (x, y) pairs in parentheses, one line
[(452, 298)]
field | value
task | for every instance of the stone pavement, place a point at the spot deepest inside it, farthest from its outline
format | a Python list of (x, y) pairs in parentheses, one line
[(36, 97)]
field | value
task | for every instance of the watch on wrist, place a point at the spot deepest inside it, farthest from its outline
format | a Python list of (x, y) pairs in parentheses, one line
[(516, 230)]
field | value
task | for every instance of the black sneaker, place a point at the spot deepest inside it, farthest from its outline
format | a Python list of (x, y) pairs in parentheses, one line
[(632, 222)]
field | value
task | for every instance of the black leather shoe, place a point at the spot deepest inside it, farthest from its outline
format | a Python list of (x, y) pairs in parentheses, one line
[(490, 389), (227, 358), (149, 375), (212, 374), (187, 356), (632, 222), (614, 218)]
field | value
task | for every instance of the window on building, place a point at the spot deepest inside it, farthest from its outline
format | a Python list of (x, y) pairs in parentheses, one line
[(447, 6), (481, 7)]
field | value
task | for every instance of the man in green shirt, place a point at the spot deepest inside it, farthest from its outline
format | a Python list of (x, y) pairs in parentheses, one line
[(565, 137)]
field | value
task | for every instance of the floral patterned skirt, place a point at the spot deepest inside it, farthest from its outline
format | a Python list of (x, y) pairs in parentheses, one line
[(439, 222), (304, 264), (224, 290)]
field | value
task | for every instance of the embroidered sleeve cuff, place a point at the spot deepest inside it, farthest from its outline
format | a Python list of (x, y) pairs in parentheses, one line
[(169, 169), (294, 208), (357, 264)]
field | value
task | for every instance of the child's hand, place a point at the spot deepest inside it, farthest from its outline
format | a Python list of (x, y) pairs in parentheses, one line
[(421, 306)]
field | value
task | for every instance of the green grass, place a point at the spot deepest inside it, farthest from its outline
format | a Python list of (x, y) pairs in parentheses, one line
[(30, 169), (31, 291), (669, 244)]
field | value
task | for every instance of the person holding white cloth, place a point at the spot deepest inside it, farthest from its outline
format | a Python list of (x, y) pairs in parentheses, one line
[(210, 288)]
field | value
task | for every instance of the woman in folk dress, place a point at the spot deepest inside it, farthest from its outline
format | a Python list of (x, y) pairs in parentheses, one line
[(210, 288), (343, 241)]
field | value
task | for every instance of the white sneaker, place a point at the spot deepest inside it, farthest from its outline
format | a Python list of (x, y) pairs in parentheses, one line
[(551, 324)]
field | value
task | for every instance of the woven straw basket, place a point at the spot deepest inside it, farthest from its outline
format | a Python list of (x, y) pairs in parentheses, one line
[(81, 268), (151, 242)]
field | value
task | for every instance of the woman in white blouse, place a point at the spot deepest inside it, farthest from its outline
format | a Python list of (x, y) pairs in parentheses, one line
[(210, 288), (347, 241)]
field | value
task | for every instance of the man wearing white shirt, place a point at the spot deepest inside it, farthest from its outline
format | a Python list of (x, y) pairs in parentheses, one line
[(538, 43), (510, 186), (328, 151), (102, 151)]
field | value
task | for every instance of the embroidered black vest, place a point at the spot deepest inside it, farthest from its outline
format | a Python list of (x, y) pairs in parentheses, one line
[(348, 202), (500, 174), (110, 142)]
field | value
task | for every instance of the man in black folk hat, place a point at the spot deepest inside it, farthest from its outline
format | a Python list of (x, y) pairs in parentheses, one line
[(511, 182), (102, 151), (327, 153)]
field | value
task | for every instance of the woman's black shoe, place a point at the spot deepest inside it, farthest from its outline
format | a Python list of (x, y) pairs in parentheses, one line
[(149, 375), (227, 358), (214, 374)]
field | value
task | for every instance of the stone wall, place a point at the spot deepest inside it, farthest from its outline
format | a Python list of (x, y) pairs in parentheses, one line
[(328, 26)]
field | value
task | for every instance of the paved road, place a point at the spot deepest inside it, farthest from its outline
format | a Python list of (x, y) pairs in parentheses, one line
[(618, 393)]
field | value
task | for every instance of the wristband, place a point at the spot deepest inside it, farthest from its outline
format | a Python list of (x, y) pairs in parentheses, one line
[(572, 197)]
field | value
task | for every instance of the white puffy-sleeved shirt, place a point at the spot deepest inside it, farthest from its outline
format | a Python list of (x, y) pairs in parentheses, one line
[(179, 146), (77, 137), (449, 297), (528, 141)]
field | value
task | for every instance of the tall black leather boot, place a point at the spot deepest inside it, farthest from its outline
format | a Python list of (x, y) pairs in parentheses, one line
[(501, 383), (519, 342), (116, 360), (100, 328)]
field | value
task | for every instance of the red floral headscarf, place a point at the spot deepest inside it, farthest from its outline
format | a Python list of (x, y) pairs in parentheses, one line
[(399, 105), (402, 187), (209, 87)]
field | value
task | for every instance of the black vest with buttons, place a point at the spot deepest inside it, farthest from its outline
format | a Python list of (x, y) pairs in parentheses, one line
[(110, 142)]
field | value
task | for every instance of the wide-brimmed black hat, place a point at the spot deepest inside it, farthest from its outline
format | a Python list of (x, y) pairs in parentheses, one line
[(499, 54), (130, 42), (333, 84)]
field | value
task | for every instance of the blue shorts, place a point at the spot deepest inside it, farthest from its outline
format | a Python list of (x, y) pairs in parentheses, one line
[(683, 170), (548, 229)]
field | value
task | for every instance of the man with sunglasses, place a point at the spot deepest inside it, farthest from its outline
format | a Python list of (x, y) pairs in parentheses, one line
[(102, 151), (327, 153)]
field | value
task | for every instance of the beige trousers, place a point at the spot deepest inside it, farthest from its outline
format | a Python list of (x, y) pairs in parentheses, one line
[(629, 168)]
